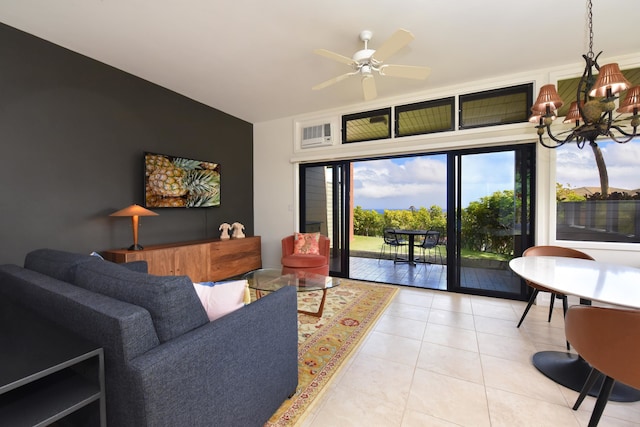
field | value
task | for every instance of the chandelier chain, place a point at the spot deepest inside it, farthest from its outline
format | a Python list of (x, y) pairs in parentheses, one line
[(590, 19)]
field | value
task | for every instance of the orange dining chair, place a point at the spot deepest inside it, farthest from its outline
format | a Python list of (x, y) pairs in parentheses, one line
[(609, 340), (549, 251), (311, 263)]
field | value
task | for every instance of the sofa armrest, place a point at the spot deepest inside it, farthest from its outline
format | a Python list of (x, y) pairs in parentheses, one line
[(236, 370), (125, 330)]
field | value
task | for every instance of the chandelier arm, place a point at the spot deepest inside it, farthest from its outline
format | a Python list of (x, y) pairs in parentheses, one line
[(541, 141), (629, 136), (586, 76), (560, 142)]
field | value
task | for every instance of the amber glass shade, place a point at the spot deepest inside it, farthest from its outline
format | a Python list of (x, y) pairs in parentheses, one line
[(631, 103), (574, 113), (548, 96), (610, 77)]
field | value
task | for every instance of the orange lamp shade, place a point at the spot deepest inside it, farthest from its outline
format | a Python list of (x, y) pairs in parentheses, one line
[(548, 96), (134, 211), (631, 103), (610, 77)]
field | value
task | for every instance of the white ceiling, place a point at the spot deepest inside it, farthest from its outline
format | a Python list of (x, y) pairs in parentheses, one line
[(253, 58)]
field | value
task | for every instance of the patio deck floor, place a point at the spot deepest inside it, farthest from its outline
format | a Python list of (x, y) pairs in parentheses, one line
[(431, 275)]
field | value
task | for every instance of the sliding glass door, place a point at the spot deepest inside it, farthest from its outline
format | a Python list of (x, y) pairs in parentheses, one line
[(479, 201), (491, 198), (325, 208)]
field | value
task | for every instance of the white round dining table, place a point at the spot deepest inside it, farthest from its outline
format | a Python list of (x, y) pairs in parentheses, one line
[(603, 282)]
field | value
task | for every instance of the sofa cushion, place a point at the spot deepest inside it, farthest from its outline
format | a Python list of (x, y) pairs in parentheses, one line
[(171, 300), (60, 265)]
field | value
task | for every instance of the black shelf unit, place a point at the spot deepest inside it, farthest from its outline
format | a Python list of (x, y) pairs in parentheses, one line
[(46, 372)]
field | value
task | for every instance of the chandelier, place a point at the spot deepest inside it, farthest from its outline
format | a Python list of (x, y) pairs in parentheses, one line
[(592, 111)]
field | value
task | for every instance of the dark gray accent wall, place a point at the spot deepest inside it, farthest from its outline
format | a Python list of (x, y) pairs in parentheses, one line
[(72, 135)]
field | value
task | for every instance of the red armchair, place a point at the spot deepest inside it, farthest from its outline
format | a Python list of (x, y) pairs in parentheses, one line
[(318, 264)]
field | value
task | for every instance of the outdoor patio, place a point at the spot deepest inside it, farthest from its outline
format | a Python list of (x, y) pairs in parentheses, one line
[(431, 275)]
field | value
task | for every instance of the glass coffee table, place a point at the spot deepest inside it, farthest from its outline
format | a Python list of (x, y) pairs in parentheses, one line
[(272, 279)]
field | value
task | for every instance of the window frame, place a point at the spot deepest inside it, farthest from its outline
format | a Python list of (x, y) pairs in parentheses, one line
[(362, 115), (448, 101), (526, 89)]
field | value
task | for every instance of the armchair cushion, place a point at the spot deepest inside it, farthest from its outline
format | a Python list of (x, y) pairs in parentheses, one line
[(306, 243), (304, 261)]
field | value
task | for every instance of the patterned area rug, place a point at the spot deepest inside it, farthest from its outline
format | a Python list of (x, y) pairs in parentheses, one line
[(325, 343)]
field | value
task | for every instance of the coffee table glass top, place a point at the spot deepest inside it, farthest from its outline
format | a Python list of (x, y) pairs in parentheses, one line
[(272, 279)]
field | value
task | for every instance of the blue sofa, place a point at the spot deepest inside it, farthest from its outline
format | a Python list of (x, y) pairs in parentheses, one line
[(165, 363)]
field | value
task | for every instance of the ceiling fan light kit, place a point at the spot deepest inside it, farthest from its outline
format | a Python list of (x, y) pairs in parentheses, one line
[(367, 62)]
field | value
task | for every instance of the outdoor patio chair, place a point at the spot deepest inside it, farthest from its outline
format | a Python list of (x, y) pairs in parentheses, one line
[(393, 242), (430, 241)]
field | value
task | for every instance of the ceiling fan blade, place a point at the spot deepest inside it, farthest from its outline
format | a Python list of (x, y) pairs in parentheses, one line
[(397, 41), (406, 71), (333, 81), (369, 88), (335, 56)]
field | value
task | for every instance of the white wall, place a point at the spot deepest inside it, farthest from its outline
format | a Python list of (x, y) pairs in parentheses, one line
[(276, 157), (274, 187)]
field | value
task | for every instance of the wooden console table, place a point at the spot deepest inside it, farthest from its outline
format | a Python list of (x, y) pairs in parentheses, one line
[(201, 260)]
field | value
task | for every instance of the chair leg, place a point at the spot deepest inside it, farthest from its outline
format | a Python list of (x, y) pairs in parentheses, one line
[(565, 307), (526, 310), (588, 384), (601, 402), (437, 248), (553, 298)]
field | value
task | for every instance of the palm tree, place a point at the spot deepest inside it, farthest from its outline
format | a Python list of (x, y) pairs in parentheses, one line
[(602, 169)]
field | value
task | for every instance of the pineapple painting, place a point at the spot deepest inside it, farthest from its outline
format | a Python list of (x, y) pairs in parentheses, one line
[(179, 182)]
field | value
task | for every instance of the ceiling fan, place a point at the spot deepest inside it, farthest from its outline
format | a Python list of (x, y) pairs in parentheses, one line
[(367, 61)]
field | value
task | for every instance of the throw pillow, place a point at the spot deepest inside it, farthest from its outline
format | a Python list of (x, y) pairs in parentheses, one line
[(306, 243), (220, 298)]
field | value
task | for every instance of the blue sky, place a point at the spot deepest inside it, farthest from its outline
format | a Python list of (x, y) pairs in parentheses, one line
[(421, 181)]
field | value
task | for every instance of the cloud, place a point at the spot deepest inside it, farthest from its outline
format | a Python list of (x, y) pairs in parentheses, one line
[(400, 183), (577, 168)]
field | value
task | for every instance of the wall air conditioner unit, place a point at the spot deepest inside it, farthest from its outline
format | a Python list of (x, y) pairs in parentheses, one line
[(316, 136)]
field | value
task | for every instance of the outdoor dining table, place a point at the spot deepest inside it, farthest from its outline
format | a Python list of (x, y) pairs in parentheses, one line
[(411, 242), (590, 280)]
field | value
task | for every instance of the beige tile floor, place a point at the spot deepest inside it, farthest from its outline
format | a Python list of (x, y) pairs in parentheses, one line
[(442, 359)]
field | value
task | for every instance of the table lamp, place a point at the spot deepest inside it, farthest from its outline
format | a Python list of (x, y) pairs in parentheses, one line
[(134, 211)]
